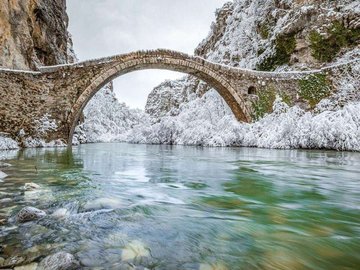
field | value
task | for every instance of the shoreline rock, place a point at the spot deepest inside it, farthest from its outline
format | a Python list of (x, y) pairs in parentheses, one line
[(31, 186), (59, 261)]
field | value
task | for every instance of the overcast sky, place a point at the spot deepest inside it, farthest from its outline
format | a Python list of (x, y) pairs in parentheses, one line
[(108, 27)]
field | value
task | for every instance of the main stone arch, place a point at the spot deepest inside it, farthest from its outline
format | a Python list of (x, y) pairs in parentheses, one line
[(160, 59)]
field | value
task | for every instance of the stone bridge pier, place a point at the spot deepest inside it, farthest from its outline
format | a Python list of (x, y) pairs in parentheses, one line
[(62, 92)]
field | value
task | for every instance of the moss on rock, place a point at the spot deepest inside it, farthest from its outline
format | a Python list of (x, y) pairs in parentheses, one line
[(314, 88), (326, 47), (284, 47), (264, 103)]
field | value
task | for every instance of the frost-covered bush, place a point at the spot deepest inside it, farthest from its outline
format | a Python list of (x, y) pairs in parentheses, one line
[(284, 128), (31, 142), (44, 125), (7, 143)]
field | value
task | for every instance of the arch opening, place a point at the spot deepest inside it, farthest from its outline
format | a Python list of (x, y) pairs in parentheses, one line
[(252, 90)]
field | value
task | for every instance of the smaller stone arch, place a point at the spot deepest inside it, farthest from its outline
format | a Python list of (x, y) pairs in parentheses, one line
[(252, 90)]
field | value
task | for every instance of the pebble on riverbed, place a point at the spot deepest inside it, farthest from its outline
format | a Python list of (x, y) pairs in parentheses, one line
[(30, 213), (31, 186), (59, 261)]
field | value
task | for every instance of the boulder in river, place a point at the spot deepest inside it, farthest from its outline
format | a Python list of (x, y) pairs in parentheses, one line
[(30, 213), (59, 261)]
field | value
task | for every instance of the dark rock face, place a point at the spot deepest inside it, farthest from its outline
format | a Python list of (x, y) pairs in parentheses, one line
[(59, 261), (30, 213), (34, 33)]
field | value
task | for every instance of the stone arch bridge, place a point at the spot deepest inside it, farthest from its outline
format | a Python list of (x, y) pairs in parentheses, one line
[(61, 92)]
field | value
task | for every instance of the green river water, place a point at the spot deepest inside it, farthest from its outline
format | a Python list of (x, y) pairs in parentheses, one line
[(174, 207)]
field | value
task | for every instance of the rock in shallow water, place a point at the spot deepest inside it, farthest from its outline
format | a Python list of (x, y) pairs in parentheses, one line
[(59, 261), (31, 186), (103, 203), (2, 175), (61, 213), (30, 213), (133, 250)]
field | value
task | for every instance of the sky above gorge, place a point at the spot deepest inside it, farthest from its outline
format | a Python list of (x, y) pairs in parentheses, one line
[(108, 27)]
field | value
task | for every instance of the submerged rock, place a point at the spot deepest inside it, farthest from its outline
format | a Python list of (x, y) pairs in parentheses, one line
[(103, 203), (2, 175), (134, 250), (13, 261), (61, 213), (31, 186), (59, 261), (30, 213), (5, 200)]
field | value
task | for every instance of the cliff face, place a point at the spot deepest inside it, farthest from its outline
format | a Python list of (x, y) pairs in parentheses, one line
[(34, 33), (267, 35), (270, 36)]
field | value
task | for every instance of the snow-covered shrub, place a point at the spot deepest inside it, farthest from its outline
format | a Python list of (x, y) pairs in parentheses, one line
[(44, 125), (7, 143)]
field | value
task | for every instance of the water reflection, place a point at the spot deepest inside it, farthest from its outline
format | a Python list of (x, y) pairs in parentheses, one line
[(172, 207)]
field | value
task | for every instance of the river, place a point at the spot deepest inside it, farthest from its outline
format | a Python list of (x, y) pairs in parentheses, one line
[(173, 207)]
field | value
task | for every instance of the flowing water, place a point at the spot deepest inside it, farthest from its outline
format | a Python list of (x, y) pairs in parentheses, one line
[(173, 207)]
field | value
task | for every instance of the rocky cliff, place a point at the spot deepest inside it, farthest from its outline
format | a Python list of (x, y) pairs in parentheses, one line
[(269, 35), (34, 33)]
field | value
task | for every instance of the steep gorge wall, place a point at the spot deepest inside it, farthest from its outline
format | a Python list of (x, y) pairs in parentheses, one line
[(34, 33)]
